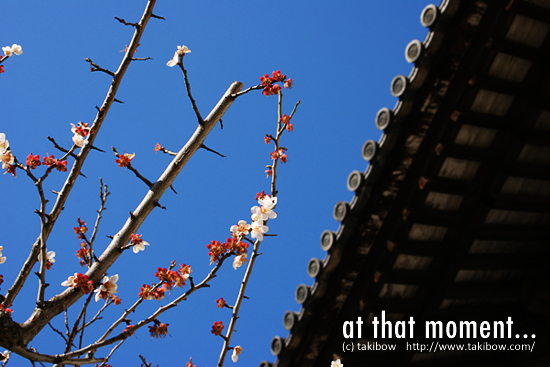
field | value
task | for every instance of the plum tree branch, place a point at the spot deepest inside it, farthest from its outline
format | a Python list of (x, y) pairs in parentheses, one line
[(30, 328), (13, 335)]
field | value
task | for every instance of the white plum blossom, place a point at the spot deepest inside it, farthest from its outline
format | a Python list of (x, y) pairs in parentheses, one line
[(258, 230), (268, 202), (239, 260), (181, 51), (7, 159), (4, 144), (240, 229), (7, 51), (260, 213), (107, 289), (70, 282), (79, 140), (14, 49), (265, 211), (140, 246), (50, 256), (81, 132), (236, 351), (2, 258), (336, 363)]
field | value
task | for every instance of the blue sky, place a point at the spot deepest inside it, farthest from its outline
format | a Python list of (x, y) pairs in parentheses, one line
[(342, 57)]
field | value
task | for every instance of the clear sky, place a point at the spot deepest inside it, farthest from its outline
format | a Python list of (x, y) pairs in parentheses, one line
[(342, 57)]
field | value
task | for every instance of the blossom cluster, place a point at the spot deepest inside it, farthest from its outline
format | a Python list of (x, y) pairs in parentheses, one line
[(232, 244), (50, 161), (83, 253), (33, 161), (285, 121), (105, 291), (81, 229), (14, 49), (81, 132), (270, 88), (279, 154), (159, 330), (79, 281), (2, 258), (9, 51), (269, 83), (169, 279), (149, 292), (6, 157)]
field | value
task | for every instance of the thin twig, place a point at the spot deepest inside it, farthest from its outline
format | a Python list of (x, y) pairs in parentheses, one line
[(125, 22), (58, 147), (72, 335), (241, 295), (212, 150), (131, 168), (96, 67), (188, 87), (58, 332), (255, 87), (103, 194)]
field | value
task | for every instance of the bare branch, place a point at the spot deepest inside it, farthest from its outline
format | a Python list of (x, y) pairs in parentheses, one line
[(103, 193), (58, 332), (58, 147), (32, 329), (62, 301), (125, 22), (227, 339), (212, 150), (96, 67), (138, 175), (255, 87), (188, 87)]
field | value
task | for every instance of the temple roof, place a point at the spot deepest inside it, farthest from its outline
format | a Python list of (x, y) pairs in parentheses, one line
[(450, 220)]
